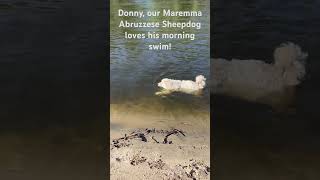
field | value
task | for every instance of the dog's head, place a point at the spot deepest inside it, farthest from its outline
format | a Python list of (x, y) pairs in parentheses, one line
[(201, 81), (287, 54), (291, 59)]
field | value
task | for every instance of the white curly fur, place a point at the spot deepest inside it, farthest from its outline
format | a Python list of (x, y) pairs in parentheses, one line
[(253, 79), (186, 86)]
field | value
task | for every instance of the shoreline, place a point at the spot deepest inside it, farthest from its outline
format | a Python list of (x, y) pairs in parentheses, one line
[(177, 157), (140, 150)]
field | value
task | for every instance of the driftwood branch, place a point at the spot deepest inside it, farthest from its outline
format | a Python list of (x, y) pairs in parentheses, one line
[(142, 135), (155, 139), (174, 131), (132, 136)]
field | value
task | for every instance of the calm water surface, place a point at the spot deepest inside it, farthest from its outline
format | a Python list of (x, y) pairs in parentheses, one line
[(53, 83), (135, 70), (253, 141)]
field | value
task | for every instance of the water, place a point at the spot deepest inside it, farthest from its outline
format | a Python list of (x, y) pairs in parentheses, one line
[(53, 83), (52, 66), (252, 140), (135, 70)]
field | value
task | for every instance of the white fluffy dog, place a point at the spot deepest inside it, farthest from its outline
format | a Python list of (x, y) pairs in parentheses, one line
[(186, 86), (257, 81)]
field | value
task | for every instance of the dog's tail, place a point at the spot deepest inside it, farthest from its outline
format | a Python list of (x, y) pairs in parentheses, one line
[(291, 60)]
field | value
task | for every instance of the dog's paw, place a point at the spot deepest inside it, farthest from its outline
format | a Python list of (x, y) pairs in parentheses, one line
[(161, 94)]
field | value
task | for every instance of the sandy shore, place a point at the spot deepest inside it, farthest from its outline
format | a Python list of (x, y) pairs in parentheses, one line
[(157, 145)]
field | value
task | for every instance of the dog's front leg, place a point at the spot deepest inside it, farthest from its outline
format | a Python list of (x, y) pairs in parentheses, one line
[(163, 92)]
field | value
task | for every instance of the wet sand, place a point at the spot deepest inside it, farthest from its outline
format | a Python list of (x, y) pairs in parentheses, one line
[(51, 154)]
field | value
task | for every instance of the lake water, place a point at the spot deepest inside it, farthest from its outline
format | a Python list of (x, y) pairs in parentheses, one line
[(53, 89), (253, 141), (53, 74), (135, 70)]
